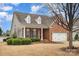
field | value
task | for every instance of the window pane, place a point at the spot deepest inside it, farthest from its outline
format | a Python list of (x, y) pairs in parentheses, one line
[(34, 33), (27, 32), (39, 34)]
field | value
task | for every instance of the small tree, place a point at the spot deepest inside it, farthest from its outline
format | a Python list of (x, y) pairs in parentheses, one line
[(76, 37), (1, 31)]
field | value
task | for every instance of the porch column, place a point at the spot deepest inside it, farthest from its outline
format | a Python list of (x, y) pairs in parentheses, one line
[(24, 32), (41, 34)]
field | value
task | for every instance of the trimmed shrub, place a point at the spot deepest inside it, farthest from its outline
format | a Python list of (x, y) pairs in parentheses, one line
[(35, 39), (16, 41), (9, 41), (19, 41), (76, 37), (26, 41)]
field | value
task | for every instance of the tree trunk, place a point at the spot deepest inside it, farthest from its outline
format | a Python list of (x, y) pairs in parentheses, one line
[(70, 40)]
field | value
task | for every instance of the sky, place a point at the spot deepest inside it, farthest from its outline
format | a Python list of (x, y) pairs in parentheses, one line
[(7, 9)]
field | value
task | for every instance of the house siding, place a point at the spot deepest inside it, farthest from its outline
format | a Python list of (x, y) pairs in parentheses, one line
[(16, 26)]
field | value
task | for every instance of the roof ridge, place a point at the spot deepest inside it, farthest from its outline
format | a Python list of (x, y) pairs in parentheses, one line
[(17, 12)]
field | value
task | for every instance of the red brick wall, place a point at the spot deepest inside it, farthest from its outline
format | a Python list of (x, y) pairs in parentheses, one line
[(55, 28), (46, 35)]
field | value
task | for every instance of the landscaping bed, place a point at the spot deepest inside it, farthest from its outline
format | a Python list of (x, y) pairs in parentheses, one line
[(21, 41)]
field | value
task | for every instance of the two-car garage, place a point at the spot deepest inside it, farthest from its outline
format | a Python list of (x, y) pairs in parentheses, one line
[(58, 33), (59, 36)]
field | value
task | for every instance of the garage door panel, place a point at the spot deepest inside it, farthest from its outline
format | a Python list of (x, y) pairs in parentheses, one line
[(59, 37)]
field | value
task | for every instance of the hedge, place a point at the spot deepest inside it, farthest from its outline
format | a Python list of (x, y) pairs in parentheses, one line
[(35, 39), (9, 41), (76, 37), (16, 42), (19, 41)]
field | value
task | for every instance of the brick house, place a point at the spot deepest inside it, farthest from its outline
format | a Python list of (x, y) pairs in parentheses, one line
[(32, 25)]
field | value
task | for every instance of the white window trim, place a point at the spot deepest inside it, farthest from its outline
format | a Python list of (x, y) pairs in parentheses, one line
[(28, 19), (38, 20)]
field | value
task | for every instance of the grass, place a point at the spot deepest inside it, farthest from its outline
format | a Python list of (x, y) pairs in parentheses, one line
[(35, 49), (3, 43)]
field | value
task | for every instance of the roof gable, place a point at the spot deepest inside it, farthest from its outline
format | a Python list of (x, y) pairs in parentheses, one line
[(38, 20), (44, 21), (28, 19)]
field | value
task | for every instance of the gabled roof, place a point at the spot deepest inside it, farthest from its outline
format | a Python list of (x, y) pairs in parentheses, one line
[(45, 20)]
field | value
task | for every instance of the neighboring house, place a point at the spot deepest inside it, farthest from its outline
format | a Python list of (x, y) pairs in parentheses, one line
[(32, 25)]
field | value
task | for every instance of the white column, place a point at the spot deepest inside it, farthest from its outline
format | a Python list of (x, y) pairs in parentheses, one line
[(24, 32), (41, 34)]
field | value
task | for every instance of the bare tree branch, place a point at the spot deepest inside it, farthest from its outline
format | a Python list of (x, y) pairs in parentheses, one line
[(70, 17)]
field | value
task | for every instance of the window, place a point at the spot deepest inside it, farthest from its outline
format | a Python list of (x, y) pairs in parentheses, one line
[(39, 34), (28, 19), (38, 20), (27, 32), (34, 33)]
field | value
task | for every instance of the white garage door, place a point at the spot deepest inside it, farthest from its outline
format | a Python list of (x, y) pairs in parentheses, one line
[(59, 37)]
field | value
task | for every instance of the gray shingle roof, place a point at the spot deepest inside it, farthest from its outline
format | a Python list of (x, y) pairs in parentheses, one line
[(46, 20)]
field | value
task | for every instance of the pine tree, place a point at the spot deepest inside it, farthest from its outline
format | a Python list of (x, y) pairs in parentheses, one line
[(1, 31)]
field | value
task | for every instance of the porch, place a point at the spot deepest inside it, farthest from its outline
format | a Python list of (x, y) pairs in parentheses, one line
[(33, 33)]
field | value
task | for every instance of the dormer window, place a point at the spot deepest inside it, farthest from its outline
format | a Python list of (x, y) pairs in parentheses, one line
[(38, 20), (28, 19)]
